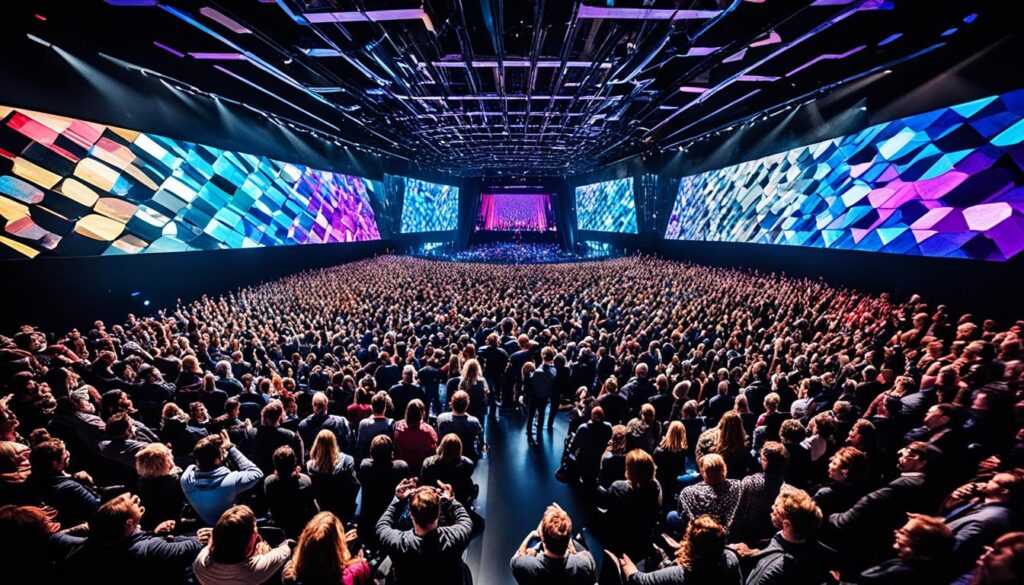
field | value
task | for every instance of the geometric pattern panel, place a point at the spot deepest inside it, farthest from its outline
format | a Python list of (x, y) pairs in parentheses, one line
[(429, 207), (74, 188), (607, 207), (946, 183)]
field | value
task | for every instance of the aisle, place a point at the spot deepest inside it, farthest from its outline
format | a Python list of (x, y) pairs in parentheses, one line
[(517, 483)]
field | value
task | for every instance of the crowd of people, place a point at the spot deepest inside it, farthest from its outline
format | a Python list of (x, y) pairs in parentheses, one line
[(731, 426), (506, 252)]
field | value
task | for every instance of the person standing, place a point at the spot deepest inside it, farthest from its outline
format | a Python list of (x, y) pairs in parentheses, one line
[(540, 384)]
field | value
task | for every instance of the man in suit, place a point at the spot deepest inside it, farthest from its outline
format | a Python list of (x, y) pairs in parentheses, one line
[(542, 380), (495, 360), (311, 426), (988, 510), (515, 372), (638, 389), (720, 404)]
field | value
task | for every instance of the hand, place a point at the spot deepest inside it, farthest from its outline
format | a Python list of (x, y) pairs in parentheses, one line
[(351, 535), (531, 552), (744, 550), (225, 441), (405, 488), (84, 478), (967, 491), (628, 567), (447, 493), (165, 527), (204, 535)]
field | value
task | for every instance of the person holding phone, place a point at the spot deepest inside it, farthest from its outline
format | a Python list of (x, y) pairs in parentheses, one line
[(549, 554)]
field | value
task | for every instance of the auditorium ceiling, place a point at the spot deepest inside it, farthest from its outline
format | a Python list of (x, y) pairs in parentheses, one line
[(546, 87)]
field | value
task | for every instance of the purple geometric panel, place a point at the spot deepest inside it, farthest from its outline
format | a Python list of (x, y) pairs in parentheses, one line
[(944, 183)]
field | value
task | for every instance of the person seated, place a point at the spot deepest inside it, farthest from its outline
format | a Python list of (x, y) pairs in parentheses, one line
[(34, 545), (289, 493), (793, 555), (177, 430), (74, 496), (701, 557), (321, 420), (415, 440), (159, 486), (716, 496), (467, 427), (118, 552), (323, 555), (429, 552), (752, 521), (849, 477), (1000, 564), (379, 475), (559, 560), (984, 511), (334, 477), (270, 436), (729, 440), (377, 424), (634, 506), (923, 546), (613, 462), (674, 469), (210, 485), (236, 554), (451, 467), (121, 444)]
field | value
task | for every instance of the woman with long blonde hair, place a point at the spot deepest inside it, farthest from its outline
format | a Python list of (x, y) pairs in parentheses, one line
[(729, 440), (473, 383), (322, 555), (334, 477), (675, 470), (701, 558), (451, 467)]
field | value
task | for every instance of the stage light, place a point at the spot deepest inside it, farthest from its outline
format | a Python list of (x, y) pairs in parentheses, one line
[(145, 303)]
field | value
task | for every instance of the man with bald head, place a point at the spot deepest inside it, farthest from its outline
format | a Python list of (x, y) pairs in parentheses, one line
[(320, 420)]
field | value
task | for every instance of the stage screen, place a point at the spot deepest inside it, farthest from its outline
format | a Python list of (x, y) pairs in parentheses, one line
[(429, 207), (946, 183), (607, 207), (74, 188), (515, 212)]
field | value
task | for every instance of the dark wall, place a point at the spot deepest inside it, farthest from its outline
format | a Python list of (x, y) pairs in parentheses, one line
[(988, 289), (60, 293)]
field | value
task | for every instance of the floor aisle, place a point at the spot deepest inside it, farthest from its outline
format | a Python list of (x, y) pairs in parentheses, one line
[(517, 483)]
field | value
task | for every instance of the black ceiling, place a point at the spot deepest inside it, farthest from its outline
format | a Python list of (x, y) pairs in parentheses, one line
[(477, 87)]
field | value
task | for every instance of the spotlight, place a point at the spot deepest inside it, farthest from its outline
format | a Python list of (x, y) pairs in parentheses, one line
[(145, 303)]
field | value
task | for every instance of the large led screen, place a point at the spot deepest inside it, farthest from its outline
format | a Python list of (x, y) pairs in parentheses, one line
[(429, 207), (515, 212), (607, 207), (945, 183), (71, 188)]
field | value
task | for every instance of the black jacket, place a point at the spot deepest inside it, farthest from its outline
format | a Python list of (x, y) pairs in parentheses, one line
[(434, 558)]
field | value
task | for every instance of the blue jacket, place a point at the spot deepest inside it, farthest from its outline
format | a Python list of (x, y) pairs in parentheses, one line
[(212, 492)]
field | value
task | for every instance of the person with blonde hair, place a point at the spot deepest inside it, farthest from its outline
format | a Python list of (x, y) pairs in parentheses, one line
[(701, 557), (473, 383), (923, 547), (322, 556), (674, 468), (450, 466), (634, 505), (613, 462), (159, 486), (729, 440), (333, 474), (793, 555), (717, 496), (236, 555)]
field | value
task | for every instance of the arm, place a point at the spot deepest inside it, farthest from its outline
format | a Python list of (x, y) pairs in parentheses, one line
[(389, 537), (263, 567), (462, 526), (248, 475)]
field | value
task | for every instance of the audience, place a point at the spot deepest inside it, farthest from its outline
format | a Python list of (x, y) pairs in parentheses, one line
[(878, 408), (560, 558)]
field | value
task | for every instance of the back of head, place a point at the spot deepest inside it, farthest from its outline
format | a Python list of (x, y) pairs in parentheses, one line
[(640, 468), (154, 460), (114, 519), (555, 530), (325, 452), (381, 449), (703, 544), (774, 457), (449, 450), (675, 437), (321, 553), (792, 431), (425, 507), (233, 535), (712, 469), (272, 413), (460, 402), (46, 455), (414, 413), (285, 461), (798, 508), (379, 403), (929, 537), (320, 403), (208, 452), (119, 425)]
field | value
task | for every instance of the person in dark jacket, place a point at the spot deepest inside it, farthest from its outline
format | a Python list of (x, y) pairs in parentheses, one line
[(379, 475), (451, 467), (269, 436), (923, 546), (321, 420), (289, 493), (540, 383), (73, 496), (588, 445), (159, 486), (559, 561), (793, 556), (429, 552), (118, 552), (752, 522), (638, 390), (634, 506), (406, 391), (700, 559), (334, 476)]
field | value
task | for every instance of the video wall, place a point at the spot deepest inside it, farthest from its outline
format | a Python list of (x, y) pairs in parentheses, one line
[(946, 183), (429, 207), (607, 207), (515, 212), (73, 188)]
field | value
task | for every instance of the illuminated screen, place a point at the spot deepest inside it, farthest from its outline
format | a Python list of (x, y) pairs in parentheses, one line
[(429, 207), (515, 212), (945, 183), (72, 188), (607, 207)]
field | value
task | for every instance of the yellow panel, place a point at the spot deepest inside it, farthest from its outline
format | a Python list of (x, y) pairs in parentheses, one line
[(130, 244), (78, 192), (4, 112), (99, 228), (19, 247), (114, 208), (97, 173), (35, 173), (55, 123), (140, 176), (129, 135), (11, 209), (120, 158)]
